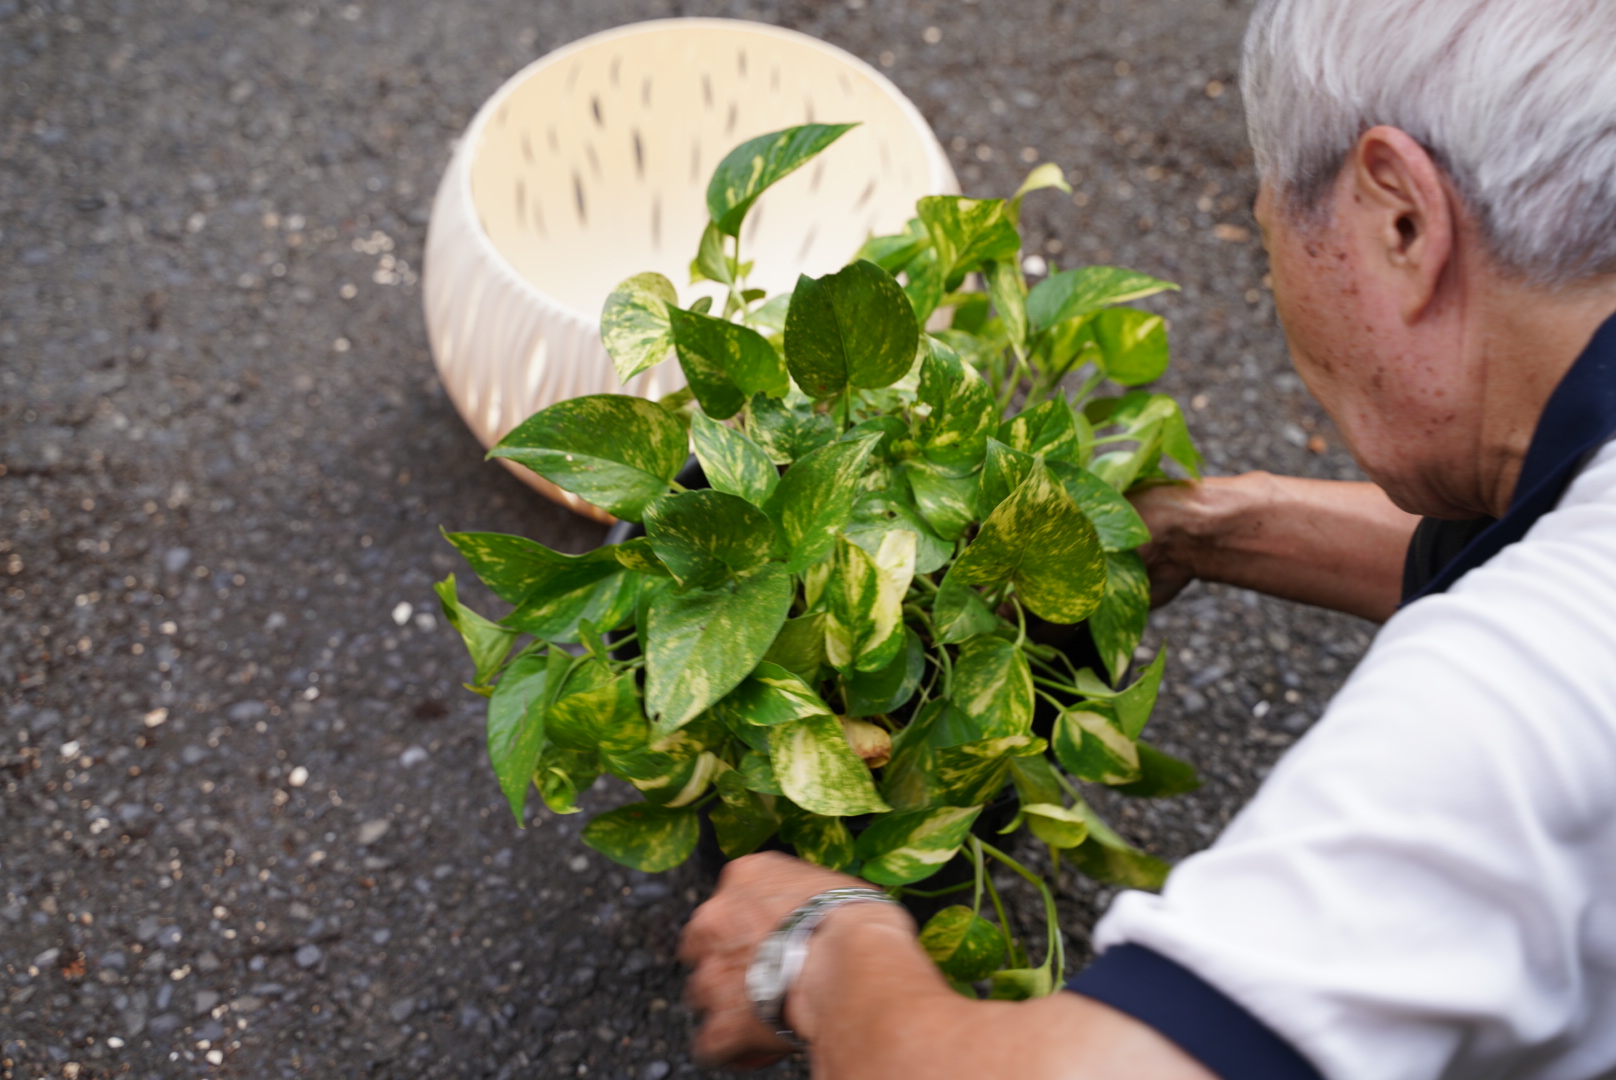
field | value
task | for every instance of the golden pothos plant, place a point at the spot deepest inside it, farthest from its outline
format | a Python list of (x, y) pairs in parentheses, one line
[(827, 646)]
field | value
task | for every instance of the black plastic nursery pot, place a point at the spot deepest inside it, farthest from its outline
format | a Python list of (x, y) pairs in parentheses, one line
[(1074, 641)]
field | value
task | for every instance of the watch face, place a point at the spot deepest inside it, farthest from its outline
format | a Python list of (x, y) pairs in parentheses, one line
[(764, 977)]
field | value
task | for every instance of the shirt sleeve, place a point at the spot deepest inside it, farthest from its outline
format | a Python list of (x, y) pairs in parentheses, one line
[(1426, 884)]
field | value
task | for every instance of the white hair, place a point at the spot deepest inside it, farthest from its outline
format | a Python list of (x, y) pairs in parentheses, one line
[(1514, 99)]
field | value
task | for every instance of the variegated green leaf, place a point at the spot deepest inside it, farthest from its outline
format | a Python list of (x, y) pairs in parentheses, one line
[(685, 776), (817, 769), (947, 503), (1134, 705), (880, 512), (1071, 294), (1040, 541), (644, 837), (815, 499), (516, 714), (873, 693), (725, 363), (1090, 746), (1049, 428), (822, 840), (924, 286), (1161, 775), (1003, 470), (593, 704), (1133, 345), (1119, 622), (749, 169), (992, 685), (1035, 780), (487, 642), (966, 232), (704, 537), (771, 695), (851, 328), (1105, 856), (865, 598), (614, 451), (968, 774), (1009, 291), (892, 253), (756, 772), (800, 647), (1116, 522), (910, 845), (1153, 419), (958, 612), (732, 463), (743, 819), (637, 555), (953, 436), (963, 944), (711, 263), (556, 616), (516, 568), (701, 644), (1055, 825), (634, 324), (788, 428)]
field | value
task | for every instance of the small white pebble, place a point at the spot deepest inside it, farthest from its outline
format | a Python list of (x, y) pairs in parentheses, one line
[(115, 1042), (155, 718), (298, 777), (1035, 265), (1260, 710), (578, 864), (70, 749), (402, 612), (413, 756)]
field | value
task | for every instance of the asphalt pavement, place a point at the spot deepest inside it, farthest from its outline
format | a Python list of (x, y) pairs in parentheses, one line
[(247, 826)]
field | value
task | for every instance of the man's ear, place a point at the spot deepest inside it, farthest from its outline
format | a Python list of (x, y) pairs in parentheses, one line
[(1407, 212)]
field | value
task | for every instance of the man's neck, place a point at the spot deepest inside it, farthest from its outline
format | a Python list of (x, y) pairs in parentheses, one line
[(1523, 339)]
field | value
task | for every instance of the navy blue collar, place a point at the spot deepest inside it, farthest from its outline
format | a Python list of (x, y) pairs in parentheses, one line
[(1579, 418)]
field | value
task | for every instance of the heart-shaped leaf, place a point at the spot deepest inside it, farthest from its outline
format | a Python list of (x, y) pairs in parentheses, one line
[(644, 837), (822, 840), (1071, 294), (516, 713), (966, 232), (593, 706), (561, 775), (1055, 825), (815, 499), (873, 693), (634, 324), (817, 769), (725, 363), (959, 612), (742, 820), (705, 536), (1105, 856), (1090, 746), (1119, 622), (1003, 470), (1115, 521), (992, 686), (963, 944), (748, 170), (567, 445), (851, 328), (1040, 541), (732, 463), (800, 647), (1047, 175), (910, 845), (947, 503), (865, 597), (1049, 428), (892, 508), (788, 429), (769, 696), (701, 644), (962, 414), (1133, 345)]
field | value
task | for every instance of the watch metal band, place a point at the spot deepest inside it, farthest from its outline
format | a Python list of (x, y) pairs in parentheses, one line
[(780, 956)]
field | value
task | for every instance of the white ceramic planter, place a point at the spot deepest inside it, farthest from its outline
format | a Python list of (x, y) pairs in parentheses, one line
[(591, 164)]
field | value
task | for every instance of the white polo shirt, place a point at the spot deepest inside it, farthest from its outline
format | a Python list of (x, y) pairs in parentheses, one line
[(1426, 884)]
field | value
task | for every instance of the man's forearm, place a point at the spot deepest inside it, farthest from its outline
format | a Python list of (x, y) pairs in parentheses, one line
[(1334, 544), (873, 1007)]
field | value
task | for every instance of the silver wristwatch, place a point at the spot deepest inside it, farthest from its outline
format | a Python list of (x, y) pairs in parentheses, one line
[(780, 956)]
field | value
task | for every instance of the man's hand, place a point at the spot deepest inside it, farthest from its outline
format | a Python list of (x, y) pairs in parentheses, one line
[(1168, 511), (754, 893)]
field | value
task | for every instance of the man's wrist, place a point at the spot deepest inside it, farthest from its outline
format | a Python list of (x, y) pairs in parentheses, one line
[(833, 989)]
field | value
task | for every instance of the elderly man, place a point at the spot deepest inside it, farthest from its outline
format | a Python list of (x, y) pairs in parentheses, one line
[(1426, 885)]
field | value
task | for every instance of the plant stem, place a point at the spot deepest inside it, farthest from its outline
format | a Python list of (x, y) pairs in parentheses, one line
[(1056, 948), (928, 894), (977, 847)]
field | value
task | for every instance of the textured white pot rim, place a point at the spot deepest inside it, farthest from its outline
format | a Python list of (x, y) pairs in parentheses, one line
[(460, 176)]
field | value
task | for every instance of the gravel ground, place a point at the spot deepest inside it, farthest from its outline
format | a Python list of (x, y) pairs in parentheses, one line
[(247, 826)]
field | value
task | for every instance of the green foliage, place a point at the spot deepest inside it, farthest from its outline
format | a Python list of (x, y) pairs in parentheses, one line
[(830, 644)]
